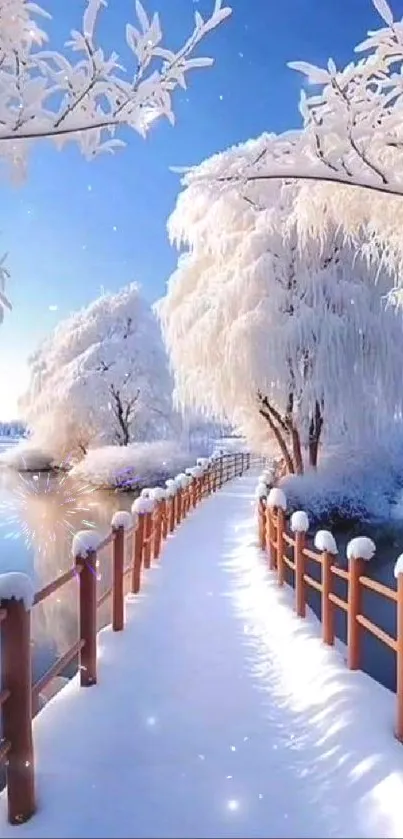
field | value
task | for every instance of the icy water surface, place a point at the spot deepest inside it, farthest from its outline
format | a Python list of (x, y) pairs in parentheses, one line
[(38, 516)]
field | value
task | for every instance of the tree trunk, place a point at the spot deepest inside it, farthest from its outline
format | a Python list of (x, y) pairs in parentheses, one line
[(297, 451), (315, 431), (282, 444)]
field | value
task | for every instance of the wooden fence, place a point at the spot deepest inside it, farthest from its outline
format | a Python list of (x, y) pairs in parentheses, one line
[(285, 549), (156, 514)]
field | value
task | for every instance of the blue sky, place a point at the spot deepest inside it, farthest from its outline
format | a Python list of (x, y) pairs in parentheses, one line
[(74, 227)]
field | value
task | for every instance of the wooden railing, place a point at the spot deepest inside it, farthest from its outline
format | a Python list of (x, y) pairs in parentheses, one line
[(286, 549), (155, 514)]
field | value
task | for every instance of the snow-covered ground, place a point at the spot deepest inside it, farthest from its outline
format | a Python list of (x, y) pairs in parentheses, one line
[(218, 713)]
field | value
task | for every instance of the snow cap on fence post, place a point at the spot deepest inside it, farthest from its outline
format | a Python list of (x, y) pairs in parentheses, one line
[(203, 462), (267, 476), (146, 492), (398, 569), (325, 542), (158, 494), (143, 505), (17, 586), (171, 488), (122, 519), (299, 522), (361, 548), (181, 481), (261, 491), (276, 498), (197, 472), (85, 542)]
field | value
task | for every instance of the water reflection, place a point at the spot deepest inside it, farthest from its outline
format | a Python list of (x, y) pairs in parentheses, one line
[(39, 515)]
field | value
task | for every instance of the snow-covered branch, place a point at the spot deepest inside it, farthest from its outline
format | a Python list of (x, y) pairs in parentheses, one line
[(352, 130), (44, 93)]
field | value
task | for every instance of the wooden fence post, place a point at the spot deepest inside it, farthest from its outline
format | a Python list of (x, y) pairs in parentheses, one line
[(262, 523), (118, 559), (88, 617), (16, 678), (280, 545), (270, 531), (355, 569), (157, 528), (148, 529), (164, 517), (327, 605), (399, 649), (299, 559), (138, 545)]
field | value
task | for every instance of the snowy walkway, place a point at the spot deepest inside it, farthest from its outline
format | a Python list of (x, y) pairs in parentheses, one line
[(218, 713)]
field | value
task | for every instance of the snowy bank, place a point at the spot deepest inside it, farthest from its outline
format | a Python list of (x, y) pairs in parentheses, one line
[(26, 457), (245, 723), (134, 466), (349, 485)]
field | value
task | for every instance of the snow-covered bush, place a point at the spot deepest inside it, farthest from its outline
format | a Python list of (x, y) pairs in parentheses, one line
[(26, 457), (288, 336), (135, 466), (350, 484), (101, 378)]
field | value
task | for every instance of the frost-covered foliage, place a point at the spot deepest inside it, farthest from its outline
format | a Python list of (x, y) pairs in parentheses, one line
[(352, 129), (134, 466), (351, 484), (101, 378), (287, 335), (84, 94)]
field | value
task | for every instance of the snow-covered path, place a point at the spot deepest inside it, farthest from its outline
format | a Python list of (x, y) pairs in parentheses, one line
[(218, 713)]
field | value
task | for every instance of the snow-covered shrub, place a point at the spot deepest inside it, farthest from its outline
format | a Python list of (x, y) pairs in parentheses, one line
[(360, 484), (26, 457), (135, 466)]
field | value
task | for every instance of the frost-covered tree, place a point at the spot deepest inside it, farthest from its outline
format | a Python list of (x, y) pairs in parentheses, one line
[(101, 378), (85, 94), (284, 334)]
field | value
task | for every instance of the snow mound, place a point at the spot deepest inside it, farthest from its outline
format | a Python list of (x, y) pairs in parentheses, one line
[(299, 522), (351, 484), (276, 498), (361, 548), (398, 569), (122, 519), (325, 542), (143, 505), (25, 457), (17, 586), (132, 467), (85, 542)]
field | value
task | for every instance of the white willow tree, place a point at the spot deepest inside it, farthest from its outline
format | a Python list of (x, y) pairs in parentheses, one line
[(84, 95), (285, 336), (101, 378)]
